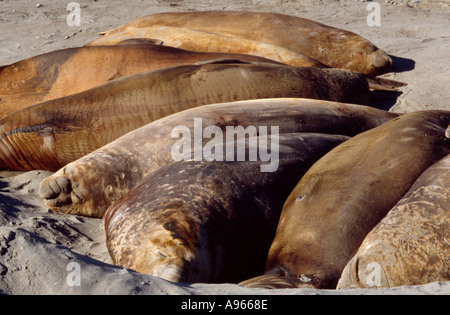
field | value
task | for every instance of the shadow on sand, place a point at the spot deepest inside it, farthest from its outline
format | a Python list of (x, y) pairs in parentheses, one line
[(384, 99), (400, 64)]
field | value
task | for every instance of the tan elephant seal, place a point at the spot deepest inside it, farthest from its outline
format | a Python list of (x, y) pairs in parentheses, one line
[(347, 192), (58, 73), (410, 246), (210, 220), (50, 135), (194, 40), (89, 185), (331, 46)]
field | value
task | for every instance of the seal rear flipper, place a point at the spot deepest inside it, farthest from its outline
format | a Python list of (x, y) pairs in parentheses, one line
[(140, 41), (381, 84), (278, 282)]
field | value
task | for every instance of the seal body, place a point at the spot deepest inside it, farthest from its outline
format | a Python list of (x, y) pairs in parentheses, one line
[(333, 47), (348, 191), (58, 73), (410, 246), (89, 185), (52, 134), (209, 221), (200, 41)]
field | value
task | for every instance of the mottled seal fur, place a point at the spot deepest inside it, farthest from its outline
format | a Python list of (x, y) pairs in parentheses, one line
[(347, 192), (209, 221), (49, 135), (410, 246), (89, 185), (331, 46)]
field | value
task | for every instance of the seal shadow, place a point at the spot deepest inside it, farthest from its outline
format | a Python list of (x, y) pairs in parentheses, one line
[(383, 100), (8, 204), (400, 64), (386, 99)]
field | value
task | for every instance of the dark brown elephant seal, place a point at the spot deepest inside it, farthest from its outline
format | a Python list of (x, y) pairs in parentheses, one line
[(50, 135), (331, 46), (58, 73), (347, 192), (89, 185), (410, 246), (210, 221)]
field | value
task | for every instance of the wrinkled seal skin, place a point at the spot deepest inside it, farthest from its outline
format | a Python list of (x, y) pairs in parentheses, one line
[(58, 73), (347, 192), (89, 185), (208, 221), (50, 135), (333, 47), (411, 244)]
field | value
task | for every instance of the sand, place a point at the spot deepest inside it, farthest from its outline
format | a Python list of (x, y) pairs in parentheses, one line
[(44, 253)]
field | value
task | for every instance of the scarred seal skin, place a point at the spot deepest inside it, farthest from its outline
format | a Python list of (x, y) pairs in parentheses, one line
[(410, 246), (89, 185), (209, 221), (49, 135), (347, 192), (57, 74), (331, 46)]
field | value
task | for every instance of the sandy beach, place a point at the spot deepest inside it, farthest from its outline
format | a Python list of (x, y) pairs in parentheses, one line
[(40, 251)]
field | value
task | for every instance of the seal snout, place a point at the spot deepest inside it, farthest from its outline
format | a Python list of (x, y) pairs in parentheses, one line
[(56, 190), (381, 62)]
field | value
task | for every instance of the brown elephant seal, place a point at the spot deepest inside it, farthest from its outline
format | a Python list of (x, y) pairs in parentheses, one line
[(50, 135), (410, 246), (210, 221), (58, 73), (194, 40), (331, 46), (348, 191), (89, 185)]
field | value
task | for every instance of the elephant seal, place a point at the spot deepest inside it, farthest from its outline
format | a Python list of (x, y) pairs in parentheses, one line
[(347, 192), (410, 246), (194, 40), (89, 185), (58, 73), (49, 135), (331, 46), (210, 221)]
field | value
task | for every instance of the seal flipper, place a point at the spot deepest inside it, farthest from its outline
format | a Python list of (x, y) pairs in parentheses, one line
[(277, 282), (57, 190), (103, 33), (381, 84), (140, 41)]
